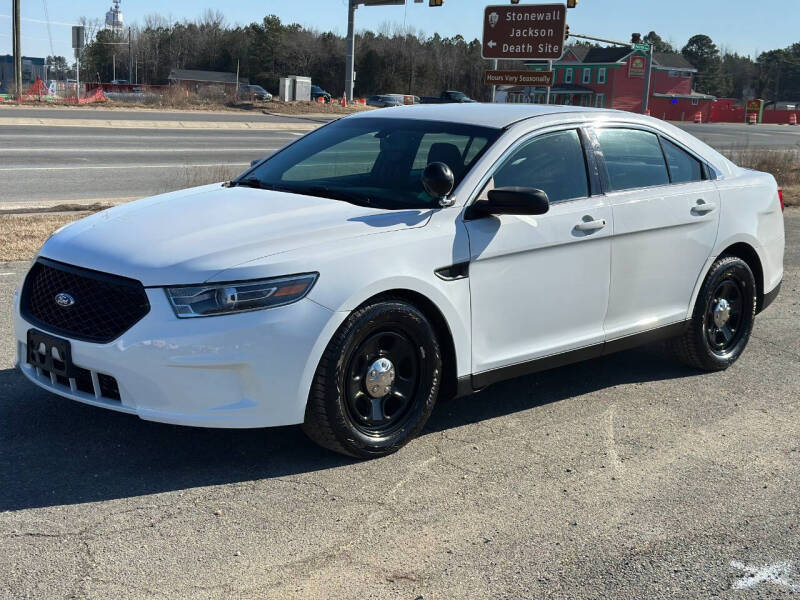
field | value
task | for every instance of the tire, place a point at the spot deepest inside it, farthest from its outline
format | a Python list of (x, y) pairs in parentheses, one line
[(357, 404), (714, 343)]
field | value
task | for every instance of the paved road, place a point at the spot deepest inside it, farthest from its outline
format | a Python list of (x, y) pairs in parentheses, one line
[(741, 136), (66, 164), (624, 477), (101, 114)]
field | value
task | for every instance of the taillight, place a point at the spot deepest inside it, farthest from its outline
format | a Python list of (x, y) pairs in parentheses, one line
[(780, 197)]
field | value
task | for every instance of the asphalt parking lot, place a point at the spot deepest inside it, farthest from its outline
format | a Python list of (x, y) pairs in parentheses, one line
[(623, 477)]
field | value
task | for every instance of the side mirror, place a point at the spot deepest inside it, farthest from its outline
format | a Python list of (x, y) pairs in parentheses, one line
[(253, 163), (511, 201), (438, 180)]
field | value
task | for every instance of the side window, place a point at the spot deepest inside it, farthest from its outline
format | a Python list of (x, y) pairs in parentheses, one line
[(553, 162), (633, 158), (683, 167)]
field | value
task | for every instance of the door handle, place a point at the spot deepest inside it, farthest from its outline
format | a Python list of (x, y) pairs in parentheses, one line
[(591, 225), (702, 207)]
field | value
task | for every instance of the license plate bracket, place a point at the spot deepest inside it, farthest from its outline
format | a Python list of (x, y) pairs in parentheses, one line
[(50, 353)]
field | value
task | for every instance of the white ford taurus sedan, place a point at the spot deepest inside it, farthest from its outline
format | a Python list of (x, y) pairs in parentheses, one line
[(386, 260)]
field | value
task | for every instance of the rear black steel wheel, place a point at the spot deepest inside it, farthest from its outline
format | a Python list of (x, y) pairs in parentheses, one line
[(723, 317), (377, 381)]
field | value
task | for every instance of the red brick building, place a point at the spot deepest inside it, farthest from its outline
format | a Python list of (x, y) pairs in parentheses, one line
[(615, 78)]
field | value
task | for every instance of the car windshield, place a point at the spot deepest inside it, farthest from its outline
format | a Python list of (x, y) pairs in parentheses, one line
[(372, 161), (459, 95)]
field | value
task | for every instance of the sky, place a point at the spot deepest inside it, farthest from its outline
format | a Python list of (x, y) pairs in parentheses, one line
[(737, 25)]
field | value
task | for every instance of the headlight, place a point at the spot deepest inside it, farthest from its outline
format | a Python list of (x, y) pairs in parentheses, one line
[(242, 296)]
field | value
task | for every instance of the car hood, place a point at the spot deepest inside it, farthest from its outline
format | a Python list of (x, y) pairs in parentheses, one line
[(189, 236)]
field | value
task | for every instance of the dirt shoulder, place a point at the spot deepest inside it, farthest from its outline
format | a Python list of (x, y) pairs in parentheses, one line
[(313, 109), (24, 234)]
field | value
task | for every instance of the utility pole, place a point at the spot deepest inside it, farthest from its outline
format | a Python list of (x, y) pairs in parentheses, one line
[(17, 50), (130, 59), (350, 64)]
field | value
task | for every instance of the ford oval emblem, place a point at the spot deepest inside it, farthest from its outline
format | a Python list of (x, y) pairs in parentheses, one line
[(64, 300)]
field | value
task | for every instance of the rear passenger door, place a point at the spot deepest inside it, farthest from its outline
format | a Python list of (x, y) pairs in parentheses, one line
[(665, 215)]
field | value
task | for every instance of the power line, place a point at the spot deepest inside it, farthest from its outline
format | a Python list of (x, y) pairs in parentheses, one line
[(40, 21), (49, 31)]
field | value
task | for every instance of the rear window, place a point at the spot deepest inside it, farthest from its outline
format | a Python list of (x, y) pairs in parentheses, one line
[(683, 167), (633, 158)]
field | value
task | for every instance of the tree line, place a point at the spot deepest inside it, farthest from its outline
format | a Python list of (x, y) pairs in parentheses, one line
[(393, 60)]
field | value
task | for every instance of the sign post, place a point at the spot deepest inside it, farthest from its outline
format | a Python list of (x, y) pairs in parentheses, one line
[(549, 68), (78, 41)]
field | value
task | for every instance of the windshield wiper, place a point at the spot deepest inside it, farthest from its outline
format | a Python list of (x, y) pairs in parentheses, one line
[(312, 190), (253, 182), (334, 194)]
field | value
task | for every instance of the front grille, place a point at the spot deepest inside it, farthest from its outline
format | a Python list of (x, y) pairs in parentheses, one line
[(105, 306)]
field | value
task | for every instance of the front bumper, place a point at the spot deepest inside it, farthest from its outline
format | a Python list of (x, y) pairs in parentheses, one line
[(243, 370)]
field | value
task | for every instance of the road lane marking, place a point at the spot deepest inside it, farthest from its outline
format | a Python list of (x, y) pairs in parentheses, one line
[(779, 573), (106, 167)]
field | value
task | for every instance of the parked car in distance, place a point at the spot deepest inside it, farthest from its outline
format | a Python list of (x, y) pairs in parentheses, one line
[(255, 91), (392, 258), (406, 99), (385, 100), (448, 97), (318, 92)]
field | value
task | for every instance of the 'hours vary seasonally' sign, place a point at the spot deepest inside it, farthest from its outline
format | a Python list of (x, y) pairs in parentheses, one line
[(524, 31), (524, 78)]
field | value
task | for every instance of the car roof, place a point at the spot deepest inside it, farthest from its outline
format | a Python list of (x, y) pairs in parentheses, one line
[(481, 114)]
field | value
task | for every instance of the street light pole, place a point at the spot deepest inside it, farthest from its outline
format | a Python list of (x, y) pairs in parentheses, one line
[(351, 49)]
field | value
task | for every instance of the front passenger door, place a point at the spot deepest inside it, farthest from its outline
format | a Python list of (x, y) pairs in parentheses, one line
[(539, 284)]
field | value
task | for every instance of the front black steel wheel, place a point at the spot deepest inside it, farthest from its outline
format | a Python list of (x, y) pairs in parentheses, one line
[(382, 382), (723, 317), (377, 381)]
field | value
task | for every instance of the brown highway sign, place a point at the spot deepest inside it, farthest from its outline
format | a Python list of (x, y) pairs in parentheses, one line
[(540, 78), (524, 31)]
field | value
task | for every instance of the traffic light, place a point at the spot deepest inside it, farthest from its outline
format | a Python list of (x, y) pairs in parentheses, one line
[(572, 3), (435, 2), (566, 32)]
